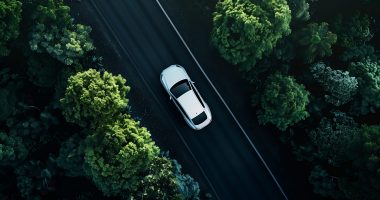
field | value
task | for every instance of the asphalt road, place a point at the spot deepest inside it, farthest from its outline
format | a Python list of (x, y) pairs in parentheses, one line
[(140, 43)]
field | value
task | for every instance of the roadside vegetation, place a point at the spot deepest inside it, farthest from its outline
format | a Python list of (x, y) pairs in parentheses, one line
[(314, 70), (65, 127)]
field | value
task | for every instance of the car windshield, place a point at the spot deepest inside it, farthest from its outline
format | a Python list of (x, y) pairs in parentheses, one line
[(180, 88), (199, 118)]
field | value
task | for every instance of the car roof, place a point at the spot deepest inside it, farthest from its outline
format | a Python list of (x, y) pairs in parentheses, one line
[(190, 104)]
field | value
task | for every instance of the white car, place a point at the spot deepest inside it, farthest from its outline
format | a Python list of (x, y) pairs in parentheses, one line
[(185, 96)]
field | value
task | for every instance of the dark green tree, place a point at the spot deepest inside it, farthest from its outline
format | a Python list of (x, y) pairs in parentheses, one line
[(300, 9), (55, 33), (12, 149), (339, 85), (160, 182), (10, 17), (92, 97), (117, 154), (188, 187), (317, 39), (71, 156), (323, 183), (353, 30), (36, 178), (10, 87), (283, 102), (335, 137), (246, 30), (368, 76)]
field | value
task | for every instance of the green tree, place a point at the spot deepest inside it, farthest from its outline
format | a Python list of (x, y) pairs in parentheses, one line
[(10, 87), (283, 102), (117, 154), (323, 183), (300, 9), (358, 53), (92, 97), (188, 188), (12, 149), (10, 17), (71, 156), (55, 33), (353, 30), (341, 87), (335, 137), (368, 76), (246, 30), (317, 39), (160, 181)]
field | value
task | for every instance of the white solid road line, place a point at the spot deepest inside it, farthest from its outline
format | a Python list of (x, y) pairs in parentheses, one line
[(221, 98)]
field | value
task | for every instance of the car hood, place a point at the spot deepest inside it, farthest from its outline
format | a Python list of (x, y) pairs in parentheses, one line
[(172, 75)]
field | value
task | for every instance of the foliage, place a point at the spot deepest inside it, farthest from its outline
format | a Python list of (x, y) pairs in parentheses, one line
[(352, 31), (188, 187), (71, 156), (322, 182), (300, 9), (94, 97), (334, 137), (12, 149), (55, 33), (244, 30), (371, 147), (42, 72), (10, 17), (368, 76), (160, 181), (283, 101), (35, 178), (317, 39), (9, 90), (116, 155), (341, 87), (358, 53)]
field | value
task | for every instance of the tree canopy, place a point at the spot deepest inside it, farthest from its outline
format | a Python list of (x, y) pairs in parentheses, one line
[(55, 33), (10, 17), (117, 154), (368, 75), (341, 87), (317, 39), (246, 30), (93, 97), (334, 137), (283, 102)]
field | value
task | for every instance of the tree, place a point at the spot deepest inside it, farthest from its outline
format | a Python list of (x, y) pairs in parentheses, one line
[(10, 17), (300, 9), (283, 102), (335, 137), (92, 97), (71, 156), (160, 181), (341, 87), (317, 39), (368, 76), (36, 178), (323, 183), (353, 30), (246, 30), (9, 89), (358, 53), (12, 149), (117, 154), (188, 187), (55, 33)]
